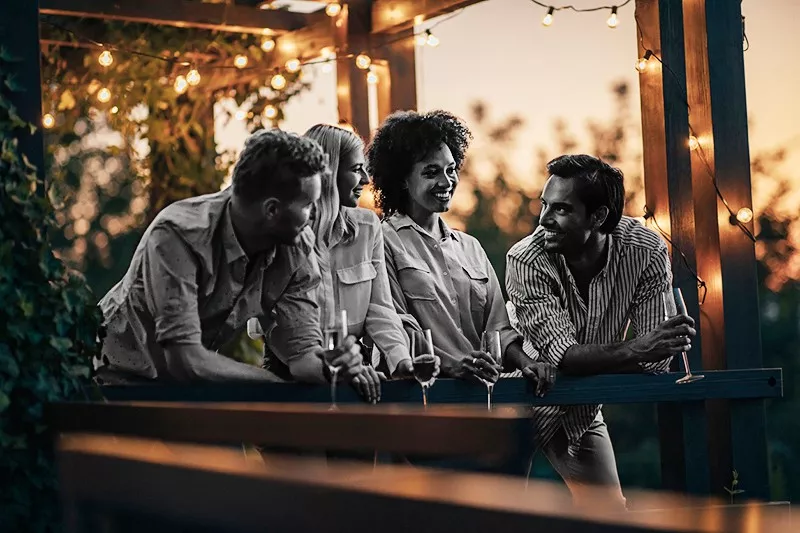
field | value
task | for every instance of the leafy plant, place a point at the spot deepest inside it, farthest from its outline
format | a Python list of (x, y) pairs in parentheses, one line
[(733, 490), (48, 325)]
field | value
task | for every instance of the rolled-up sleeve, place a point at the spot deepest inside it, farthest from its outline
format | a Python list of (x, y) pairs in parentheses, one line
[(541, 318), (169, 276), (297, 335), (383, 324), (647, 310)]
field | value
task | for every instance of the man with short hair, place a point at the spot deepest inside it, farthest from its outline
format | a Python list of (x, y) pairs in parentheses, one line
[(574, 286), (207, 264)]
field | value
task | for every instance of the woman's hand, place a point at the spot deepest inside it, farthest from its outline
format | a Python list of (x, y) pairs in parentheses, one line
[(368, 384), (479, 365)]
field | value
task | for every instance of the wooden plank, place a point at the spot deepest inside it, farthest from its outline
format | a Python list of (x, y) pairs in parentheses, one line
[(390, 16), (19, 35), (444, 431), (213, 489), (737, 252), (401, 93), (352, 37), (610, 389), (184, 14)]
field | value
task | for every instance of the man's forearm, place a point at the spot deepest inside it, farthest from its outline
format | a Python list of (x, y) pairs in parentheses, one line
[(195, 363), (590, 359), (515, 358)]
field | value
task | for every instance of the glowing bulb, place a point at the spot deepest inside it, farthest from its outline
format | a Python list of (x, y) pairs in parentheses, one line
[(180, 85), (293, 65), (744, 215), (103, 95), (363, 61), (48, 121), (372, 77), (548, 19), (240, 61), (641, 64), (694, 144), (420, 39), (333, 9), (612, 20), (114, 110), (278, 82), (432, 40), (270, 111), (105, 58), (268, 45), (193, 77), (240, 115), (328, 52)]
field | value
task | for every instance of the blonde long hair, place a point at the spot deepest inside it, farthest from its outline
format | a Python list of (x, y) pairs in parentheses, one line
[(335, 142)]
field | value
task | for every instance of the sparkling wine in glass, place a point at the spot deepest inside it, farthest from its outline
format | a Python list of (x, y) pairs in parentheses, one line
[(424, 361), (490, 343), (680, 309), (334, 336)]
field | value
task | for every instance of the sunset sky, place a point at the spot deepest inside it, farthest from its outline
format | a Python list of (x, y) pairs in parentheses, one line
[(498, 51)]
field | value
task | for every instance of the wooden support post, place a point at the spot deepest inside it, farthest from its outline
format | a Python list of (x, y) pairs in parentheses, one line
[(352, 37), (668, 190), (400, 56), (19, 37)]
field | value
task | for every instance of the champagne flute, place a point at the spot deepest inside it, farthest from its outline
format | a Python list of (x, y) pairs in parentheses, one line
[(423, 360), (490, 343), (680, 308), (334, 336)]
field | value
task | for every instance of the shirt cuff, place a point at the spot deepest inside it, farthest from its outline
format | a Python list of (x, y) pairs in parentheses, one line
[(394, 356)]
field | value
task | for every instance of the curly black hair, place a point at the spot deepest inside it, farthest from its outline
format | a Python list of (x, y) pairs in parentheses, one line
[(404, 139), (256, 176)]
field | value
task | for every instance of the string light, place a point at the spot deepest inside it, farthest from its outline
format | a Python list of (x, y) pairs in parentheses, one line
[(270, 111), (240, 61), (114, 110), (641, 64), (293, 65), (548, 19), (363, 61), (240, 114), (420, 39), (180, 85), (278, 82), (372, 77), (612, 19), (48, 121), (744, 215), (268, 45), (333, 9), (431, 39), (103, 95), (105, 59), (193, 77), (694, 144)]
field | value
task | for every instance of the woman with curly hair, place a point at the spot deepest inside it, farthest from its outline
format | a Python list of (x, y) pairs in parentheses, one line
[(440, 278), (350, 253)]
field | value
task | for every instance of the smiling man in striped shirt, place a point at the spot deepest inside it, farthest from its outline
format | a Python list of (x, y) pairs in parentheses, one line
[(574, 286)]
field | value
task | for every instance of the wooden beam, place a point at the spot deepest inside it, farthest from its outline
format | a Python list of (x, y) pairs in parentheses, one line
[(397, 89), (391, 16), (19, 36), (668, 191), (352, 37), (184, 14)]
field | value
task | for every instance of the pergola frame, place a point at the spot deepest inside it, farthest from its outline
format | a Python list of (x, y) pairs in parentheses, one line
[(701, 41)]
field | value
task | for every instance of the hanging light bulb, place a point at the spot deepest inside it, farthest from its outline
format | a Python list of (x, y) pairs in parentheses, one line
[(431, 39), (612, 19), (271, 111), (114, 110), (193, 77), (240, 114), (278, 82), (240, 61), (372, 77), (105, 59), (292, 66), (363, 61), (548, 19), (694, 144), (268, 45), (48, 121), (103, 95), (744, 215), (333, 9), (420, 39), (641, 64), (180, 85)]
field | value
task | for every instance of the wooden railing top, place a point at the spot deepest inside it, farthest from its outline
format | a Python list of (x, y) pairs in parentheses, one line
[(610, 389), (222, 490)]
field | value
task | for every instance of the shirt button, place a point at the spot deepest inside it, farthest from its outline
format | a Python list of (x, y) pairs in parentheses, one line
[(436, 246), (446, 273)]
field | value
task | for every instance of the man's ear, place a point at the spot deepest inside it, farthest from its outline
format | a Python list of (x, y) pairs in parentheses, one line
[(271, 208), (599, 216)]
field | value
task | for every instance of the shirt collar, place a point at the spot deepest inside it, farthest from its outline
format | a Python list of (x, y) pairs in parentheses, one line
[(233, 250), (400, 221)]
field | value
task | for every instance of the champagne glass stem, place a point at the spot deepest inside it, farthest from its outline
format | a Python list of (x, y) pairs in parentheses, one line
[(686, 363), (334, 372), (489, 390), (425, 396)]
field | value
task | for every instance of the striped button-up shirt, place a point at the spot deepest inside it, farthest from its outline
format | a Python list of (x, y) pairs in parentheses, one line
[(547, 308)]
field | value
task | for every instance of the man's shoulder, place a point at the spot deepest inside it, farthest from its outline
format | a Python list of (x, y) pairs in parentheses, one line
[(529, 249), (630, 233), (362, 216), (192, 216)]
